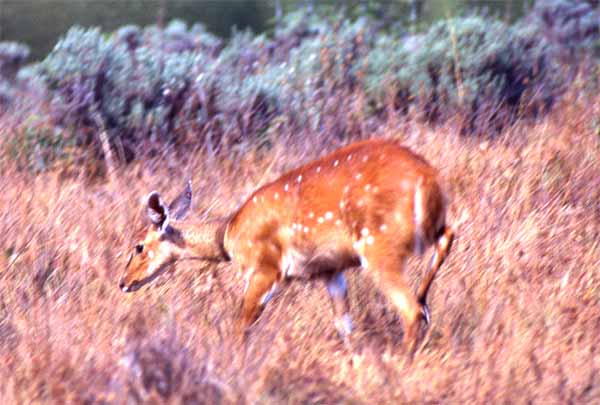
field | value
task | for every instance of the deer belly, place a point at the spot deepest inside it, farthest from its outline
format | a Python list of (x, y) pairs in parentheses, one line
[(298, 264)]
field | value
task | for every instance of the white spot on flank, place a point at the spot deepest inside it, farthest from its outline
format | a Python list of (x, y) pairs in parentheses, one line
[(349, 157), (299, 178), (346, 189), (338, 222), (336, 163), (286, 187), (365, 158), (306, 229), (254, 199), (370, 240), (364, 232), (367, 187), (342, 204), (328, 215), (311, 214), (318, 169), (320, 220), (151, 254), (358, 176), (250, 243), (383, 228), (277, 196)]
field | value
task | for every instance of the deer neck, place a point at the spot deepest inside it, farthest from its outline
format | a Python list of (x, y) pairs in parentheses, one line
[(202, 241)]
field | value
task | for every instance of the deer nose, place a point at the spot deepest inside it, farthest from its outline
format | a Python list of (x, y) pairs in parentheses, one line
[(122, 286)]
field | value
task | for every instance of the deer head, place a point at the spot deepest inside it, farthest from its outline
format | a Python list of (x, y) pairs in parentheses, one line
[(160, 244)]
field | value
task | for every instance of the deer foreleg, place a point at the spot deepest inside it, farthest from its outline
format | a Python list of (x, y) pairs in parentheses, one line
[(261, 285)]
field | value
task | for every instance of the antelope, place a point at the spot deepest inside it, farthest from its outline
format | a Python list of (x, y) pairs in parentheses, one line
[(369, 204)]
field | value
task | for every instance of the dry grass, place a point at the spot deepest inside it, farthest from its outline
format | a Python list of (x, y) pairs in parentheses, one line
[(516, 311)]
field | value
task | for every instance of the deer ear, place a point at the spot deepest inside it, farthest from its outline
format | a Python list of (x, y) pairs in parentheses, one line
[(181, 205), (157, 210)]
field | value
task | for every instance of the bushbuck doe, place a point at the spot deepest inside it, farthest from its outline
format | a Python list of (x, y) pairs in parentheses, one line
[(369, 204)]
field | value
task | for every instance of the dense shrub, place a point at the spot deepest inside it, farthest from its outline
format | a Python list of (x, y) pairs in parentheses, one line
[(178, 84), (572, 25), (132, 83), (476, 66), (12, 56)]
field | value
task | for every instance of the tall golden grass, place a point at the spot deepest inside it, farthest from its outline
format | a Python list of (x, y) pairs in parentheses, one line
[(516, 307)]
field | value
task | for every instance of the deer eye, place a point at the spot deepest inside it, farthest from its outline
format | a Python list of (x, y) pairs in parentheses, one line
[(139, 248)]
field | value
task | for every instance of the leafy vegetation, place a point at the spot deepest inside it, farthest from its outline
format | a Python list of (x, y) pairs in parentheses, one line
[(181, 84), (12, 56)]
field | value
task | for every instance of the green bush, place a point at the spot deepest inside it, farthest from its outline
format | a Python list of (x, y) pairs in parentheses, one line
[(470, 65), (132, 84), (573, 26), (12, 56), (178, 83)]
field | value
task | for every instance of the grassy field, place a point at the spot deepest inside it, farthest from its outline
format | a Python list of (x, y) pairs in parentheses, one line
[(515, 308)]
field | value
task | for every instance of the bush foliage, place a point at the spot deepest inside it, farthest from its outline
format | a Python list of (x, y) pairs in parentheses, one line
[(317, 73), (12, 57)]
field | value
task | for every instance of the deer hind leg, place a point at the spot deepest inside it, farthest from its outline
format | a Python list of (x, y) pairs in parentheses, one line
[(386, 269), (338, 294), (442, 248), (401, 296), (259, 290)]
